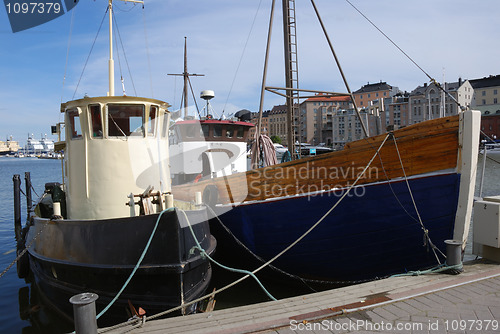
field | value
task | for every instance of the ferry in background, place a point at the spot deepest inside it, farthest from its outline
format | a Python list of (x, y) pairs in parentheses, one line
[(9, 147)]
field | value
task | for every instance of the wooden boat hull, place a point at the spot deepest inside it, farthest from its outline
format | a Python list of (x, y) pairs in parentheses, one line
[(372, 233), (69, 257), (375, 230)]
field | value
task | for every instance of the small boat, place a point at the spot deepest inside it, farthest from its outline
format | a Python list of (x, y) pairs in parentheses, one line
[(112, 227), (207, 146), (381, 206)]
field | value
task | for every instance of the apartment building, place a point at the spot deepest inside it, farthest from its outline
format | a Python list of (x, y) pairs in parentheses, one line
[(487, 99), (371, 92), (264, 124), (430, 102), (314, 114)]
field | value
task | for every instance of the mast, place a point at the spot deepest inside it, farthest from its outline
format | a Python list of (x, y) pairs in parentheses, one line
[(111, 63), (186, 76)]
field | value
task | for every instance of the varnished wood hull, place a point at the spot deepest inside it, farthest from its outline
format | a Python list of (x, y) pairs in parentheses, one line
[(374, 231)]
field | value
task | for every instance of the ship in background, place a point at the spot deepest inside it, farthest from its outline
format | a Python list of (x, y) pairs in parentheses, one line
[(9, 147)]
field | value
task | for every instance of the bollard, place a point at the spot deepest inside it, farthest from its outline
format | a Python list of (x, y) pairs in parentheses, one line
[(57, 208), (169, 201), (453, 252), (17, 206), (29, 201), (197, 198), (84, 313)]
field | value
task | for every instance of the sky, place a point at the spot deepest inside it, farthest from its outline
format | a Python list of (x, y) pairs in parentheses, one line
[(52, 63)]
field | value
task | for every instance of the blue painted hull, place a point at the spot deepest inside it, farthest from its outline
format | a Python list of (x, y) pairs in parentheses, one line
[(374, 231)]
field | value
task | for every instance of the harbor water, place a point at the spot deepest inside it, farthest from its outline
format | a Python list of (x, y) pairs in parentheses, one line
[(22, 310)]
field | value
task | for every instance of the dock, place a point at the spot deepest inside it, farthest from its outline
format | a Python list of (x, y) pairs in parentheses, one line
[(434, 303)]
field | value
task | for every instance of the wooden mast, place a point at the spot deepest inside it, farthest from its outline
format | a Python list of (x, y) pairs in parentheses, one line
[(186, 76)]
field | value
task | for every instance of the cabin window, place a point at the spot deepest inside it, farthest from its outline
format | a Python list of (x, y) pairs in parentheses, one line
[(229, 131), (153, 113), (75, 126), (205, 130), (96, 121), (125, 120), (217, 130), (241, 132), (190, 130)]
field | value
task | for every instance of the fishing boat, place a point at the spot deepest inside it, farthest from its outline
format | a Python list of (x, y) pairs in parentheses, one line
[(383, 205), (112, 227), (207, 146)]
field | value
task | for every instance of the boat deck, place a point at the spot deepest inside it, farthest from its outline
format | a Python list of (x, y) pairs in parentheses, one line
[(440, 303)]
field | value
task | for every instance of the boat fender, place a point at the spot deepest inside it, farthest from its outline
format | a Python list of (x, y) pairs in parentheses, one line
[(23, 263), (210, 195)]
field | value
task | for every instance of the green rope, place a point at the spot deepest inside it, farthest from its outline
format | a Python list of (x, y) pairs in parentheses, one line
[(136, 266), (438, 269), (241, 271)]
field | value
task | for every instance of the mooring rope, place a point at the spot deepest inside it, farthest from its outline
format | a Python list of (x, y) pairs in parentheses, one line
[(205, 254), (427, 238), (136, 266)]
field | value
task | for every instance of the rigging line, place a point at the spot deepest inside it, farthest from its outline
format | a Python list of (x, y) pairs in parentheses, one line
[(118, 55), (124, 55), (487, 137), (194, 99), (67, 55), (407, 56), (426, 231), (241, 57), (91, 48), (389, 39), (147, 50), (139, 262)]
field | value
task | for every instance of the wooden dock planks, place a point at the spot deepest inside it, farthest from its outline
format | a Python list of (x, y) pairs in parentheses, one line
[(479, 281)]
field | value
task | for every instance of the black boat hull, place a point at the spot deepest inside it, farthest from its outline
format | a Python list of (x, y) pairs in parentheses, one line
[(69, 257)]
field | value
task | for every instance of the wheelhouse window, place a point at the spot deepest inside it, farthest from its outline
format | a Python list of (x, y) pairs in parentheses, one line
[(125, 120), (96, 120), (241, 132), (191, 130), (153, 113), (229, 131), (217, 130), (74, 122), (205, 130)]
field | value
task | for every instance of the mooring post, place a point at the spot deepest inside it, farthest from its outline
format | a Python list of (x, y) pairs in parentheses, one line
[(84, 313), (29, 202), (17, 206)]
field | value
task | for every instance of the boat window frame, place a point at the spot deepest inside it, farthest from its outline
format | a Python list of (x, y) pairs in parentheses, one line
[(129, 133), (165, 132), (152, 122), (74, 135), (91, 123)]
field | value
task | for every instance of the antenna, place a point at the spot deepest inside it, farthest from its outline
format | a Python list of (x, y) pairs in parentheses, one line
[(207, 95)]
